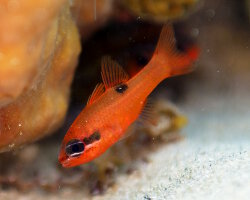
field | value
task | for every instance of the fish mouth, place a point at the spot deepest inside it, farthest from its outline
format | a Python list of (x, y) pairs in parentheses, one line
[(64, 160)]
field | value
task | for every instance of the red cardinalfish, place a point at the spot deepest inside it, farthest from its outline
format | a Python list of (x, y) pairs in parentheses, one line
[(117, 102)]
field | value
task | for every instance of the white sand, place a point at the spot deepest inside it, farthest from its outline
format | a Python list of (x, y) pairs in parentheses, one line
[(213, 162)]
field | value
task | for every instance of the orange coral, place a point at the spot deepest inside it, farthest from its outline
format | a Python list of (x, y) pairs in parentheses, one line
[(91, 14), (159, 10), (39, 47)]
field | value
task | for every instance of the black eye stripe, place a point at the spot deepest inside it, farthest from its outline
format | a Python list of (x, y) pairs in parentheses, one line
[(74, 148), (121, 88), (86, 141), (94, 137)]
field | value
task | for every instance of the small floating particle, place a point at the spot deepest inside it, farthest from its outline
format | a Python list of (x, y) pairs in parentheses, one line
[(195, 32)]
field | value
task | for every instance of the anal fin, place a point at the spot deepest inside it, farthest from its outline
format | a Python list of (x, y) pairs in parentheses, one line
[(147, 117), (148, 113)]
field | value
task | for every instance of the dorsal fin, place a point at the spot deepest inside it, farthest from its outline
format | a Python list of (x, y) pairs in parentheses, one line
[(98, 91), (112, 73)]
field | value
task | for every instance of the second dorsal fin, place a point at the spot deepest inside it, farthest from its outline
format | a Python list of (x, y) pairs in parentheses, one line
[(112, 73), (98, 91)]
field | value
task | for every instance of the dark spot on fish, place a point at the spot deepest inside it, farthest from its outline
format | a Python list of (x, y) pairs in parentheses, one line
[(121, 88), (74, 148), (94, 137)]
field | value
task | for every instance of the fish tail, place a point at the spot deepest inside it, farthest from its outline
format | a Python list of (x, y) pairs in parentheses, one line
[(169, 58)]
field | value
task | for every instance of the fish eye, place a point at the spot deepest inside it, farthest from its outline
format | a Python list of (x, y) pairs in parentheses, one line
[(121, 88), (74, 148)]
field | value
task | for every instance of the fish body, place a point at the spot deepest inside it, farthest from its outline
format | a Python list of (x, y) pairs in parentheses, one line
[(117, 102)]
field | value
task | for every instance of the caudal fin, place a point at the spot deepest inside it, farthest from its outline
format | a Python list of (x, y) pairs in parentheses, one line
[(169, 57)]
